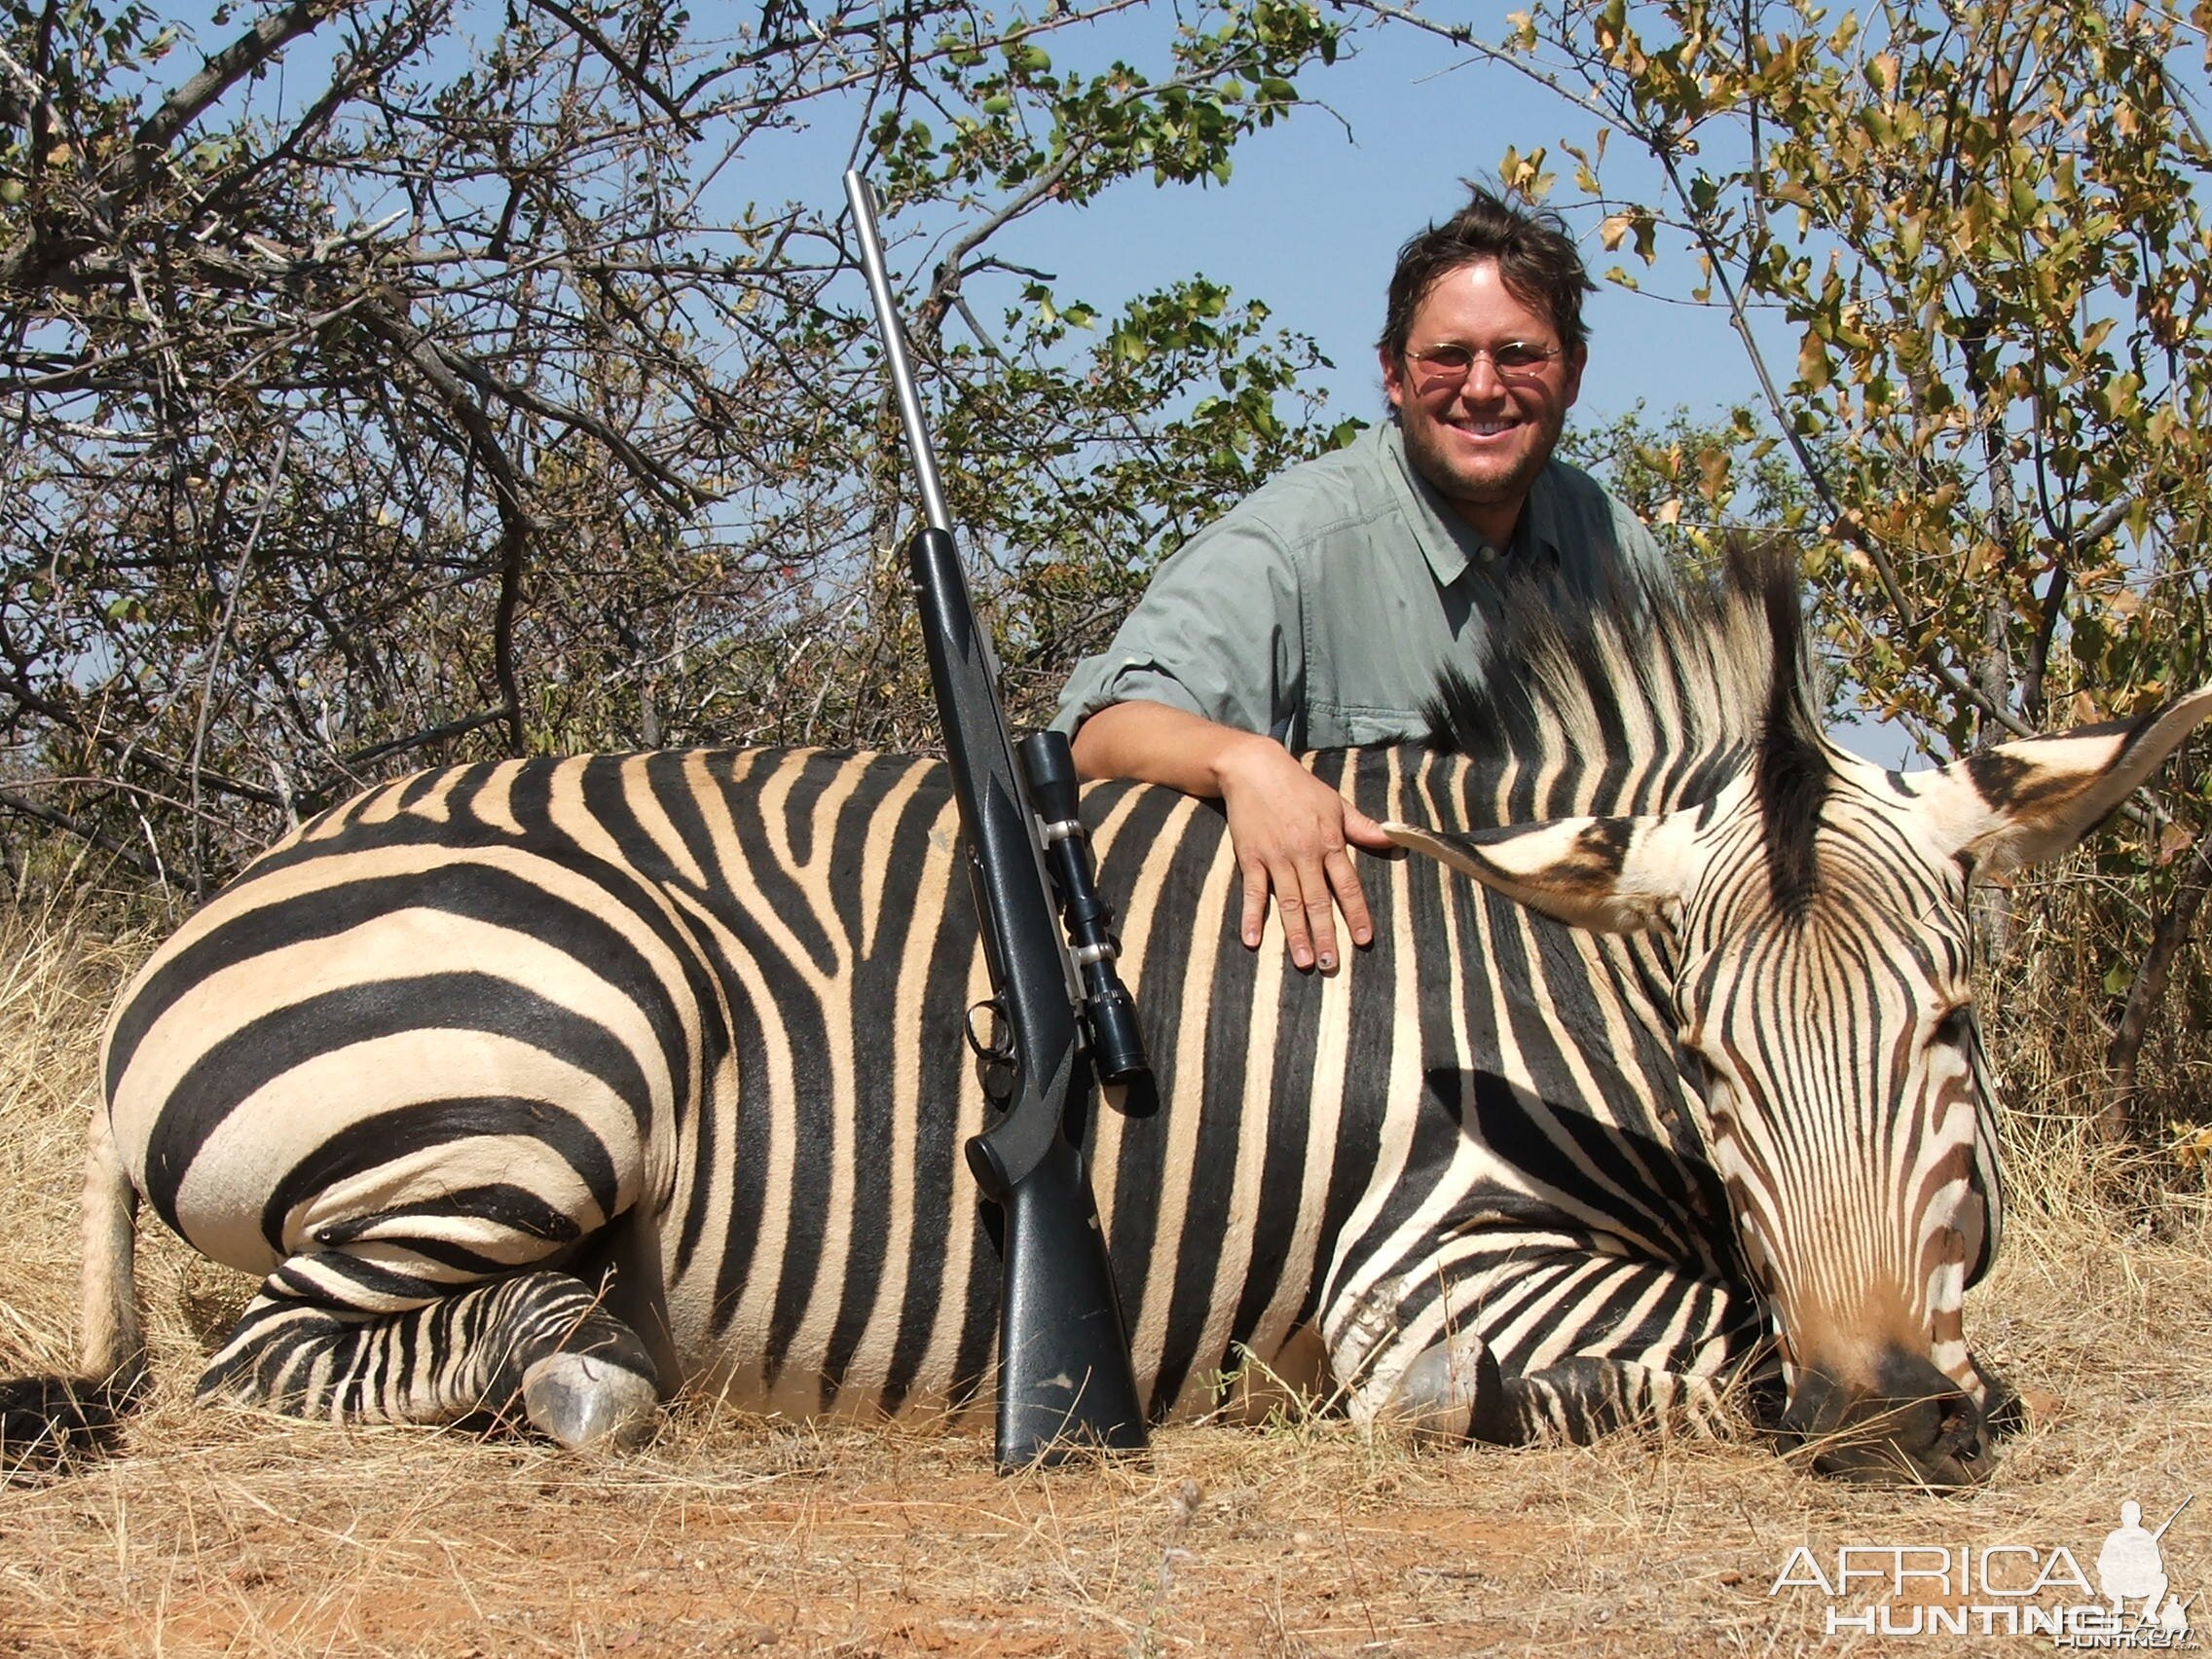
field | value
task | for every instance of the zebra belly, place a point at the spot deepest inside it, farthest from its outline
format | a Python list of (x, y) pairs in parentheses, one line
[(826, 1250)]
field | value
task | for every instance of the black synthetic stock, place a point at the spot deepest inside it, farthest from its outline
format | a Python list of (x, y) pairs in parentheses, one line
[(1005, 870), (1065, 1387)]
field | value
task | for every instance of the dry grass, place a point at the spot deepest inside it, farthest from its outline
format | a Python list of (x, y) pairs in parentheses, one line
[(229, 1533)]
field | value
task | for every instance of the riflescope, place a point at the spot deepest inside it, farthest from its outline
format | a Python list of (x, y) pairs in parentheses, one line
[(1116, 1053)]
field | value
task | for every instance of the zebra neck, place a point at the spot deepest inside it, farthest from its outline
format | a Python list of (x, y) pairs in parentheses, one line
[(1457, 792)]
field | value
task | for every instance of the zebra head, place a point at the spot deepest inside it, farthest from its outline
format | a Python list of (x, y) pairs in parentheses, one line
[(1814, 909)]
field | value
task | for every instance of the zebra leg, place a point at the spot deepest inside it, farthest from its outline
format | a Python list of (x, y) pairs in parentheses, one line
[(1581, 1398), (1454, 1392), (583, 1375)]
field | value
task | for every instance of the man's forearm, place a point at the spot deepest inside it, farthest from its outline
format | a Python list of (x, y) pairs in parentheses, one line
[(1156, 743), (1291, 831)]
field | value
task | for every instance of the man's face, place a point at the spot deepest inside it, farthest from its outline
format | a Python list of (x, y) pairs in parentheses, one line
[(1479, 436)]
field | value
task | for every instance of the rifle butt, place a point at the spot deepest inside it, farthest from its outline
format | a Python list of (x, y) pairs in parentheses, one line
[(1066, 1386)]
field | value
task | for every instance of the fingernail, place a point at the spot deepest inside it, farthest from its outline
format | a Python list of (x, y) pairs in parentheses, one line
[(1328, 964)]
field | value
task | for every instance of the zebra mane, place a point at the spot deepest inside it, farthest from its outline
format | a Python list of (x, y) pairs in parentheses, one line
[(1650, 695)]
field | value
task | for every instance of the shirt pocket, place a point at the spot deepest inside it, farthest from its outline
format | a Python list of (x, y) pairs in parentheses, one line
[(1336, 727)]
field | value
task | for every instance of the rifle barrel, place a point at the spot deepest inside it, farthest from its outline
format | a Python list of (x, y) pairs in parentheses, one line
[(2175, 1515), (860, 195)]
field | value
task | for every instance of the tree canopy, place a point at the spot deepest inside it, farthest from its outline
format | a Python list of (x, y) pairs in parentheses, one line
[(466, 399), (396, 381), (1963, 250)]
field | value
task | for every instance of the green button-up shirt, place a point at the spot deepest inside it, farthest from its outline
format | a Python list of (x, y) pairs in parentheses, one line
[(1321, 608)]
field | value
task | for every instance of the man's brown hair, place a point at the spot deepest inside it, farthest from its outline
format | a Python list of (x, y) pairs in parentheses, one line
[(1536, 257)]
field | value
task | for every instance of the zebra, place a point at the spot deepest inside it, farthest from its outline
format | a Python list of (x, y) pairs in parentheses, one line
[(538, 1088)]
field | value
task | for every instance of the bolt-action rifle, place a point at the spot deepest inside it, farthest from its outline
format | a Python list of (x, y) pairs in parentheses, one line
[(1060, 1019)]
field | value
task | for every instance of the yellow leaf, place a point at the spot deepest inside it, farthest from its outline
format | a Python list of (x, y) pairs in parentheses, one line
[(2193, 1143), (1614, 229), (1813, 362)]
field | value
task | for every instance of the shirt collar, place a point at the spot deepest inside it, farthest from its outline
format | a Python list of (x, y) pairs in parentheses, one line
[(1448, 542)]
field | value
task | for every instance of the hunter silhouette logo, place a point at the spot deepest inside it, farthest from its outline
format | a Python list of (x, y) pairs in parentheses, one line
[(2131, 1567), (2006, 1589)]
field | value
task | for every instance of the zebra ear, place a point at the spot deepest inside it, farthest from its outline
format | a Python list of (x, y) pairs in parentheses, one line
[(1607, 874), (2033, 799)]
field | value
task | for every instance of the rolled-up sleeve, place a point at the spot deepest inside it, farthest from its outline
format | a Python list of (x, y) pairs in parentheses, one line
[(1216, 635)]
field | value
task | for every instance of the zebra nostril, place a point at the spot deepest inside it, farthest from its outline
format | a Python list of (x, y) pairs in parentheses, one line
[(1965, 1428), (1909, 1424)]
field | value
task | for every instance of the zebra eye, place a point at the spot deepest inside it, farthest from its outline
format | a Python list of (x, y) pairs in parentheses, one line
[(1695, 1066), (1956, 1028)]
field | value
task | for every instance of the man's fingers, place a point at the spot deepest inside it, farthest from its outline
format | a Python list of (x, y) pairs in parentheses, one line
[(1364, 832), (1255, 903), (1320, 907), (1294, 836), (1290, 903), (1351, 898), (1291, 906)]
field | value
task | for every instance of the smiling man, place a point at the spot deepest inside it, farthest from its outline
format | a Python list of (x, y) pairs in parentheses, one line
[(1318, 611)]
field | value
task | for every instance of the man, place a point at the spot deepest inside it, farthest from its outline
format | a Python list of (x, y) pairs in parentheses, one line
[(1318, 611)]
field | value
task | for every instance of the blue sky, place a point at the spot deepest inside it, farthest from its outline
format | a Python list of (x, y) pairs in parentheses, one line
[(1313, 213), (1311, 219)]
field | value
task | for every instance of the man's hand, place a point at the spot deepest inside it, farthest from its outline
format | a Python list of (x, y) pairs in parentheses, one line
[(1293, 836), (1292, 833)]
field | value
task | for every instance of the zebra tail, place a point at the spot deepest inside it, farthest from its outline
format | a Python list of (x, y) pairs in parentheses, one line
[(47, 1424)]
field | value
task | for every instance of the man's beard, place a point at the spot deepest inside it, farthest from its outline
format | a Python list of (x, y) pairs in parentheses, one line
[(1485, 485)]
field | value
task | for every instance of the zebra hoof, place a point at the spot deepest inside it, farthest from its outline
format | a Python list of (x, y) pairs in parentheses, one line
[(582, 1401), (1451, 1393)]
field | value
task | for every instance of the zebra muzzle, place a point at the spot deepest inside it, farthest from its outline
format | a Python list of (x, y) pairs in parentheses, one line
[(1908, 1425)]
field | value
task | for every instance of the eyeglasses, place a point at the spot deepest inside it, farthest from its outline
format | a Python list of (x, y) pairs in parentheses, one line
[(1514, 360)]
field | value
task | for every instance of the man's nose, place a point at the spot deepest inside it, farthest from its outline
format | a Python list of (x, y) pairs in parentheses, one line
[(1484, 383)]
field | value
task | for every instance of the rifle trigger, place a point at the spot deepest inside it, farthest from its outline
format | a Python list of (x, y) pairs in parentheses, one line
[(999, 1044)]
